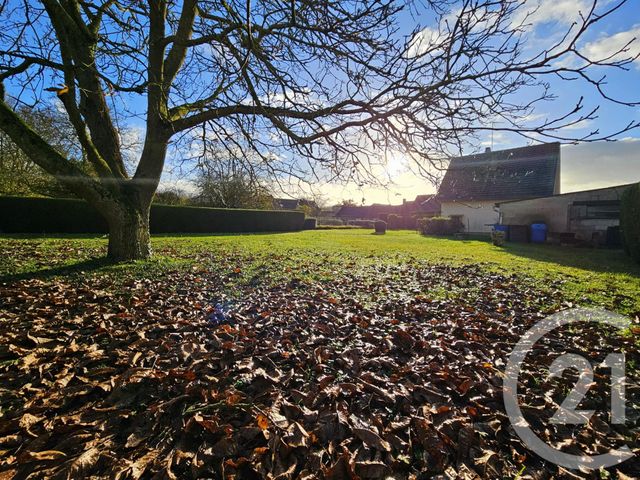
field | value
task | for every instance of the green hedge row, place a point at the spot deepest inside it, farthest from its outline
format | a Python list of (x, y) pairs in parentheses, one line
[(397, 222), (48, 215), (630, 221), (440, 225), (310, 224)]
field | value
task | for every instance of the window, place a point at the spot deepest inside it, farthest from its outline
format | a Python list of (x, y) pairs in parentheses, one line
[(598, 209)]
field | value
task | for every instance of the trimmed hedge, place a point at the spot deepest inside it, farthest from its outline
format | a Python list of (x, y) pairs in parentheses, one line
[(54, 215), (309, 224), (397, 222), (49, 215), (330, 221), (630, 221), (440, 226), (361, 223)]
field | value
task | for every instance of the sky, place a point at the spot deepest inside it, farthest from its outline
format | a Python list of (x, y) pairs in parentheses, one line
[(583, 166)]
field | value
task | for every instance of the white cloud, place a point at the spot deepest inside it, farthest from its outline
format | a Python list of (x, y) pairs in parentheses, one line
[(426, 40), (170, 182), (500, 139), (534, 117), (132, 143), (540, 12), (627, 43), (579, 125)]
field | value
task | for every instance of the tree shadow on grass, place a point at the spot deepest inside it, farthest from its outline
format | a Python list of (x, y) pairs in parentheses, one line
[(84, 266), (603, 260)]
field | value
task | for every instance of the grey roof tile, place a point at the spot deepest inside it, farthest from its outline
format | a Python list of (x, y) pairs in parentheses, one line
[(524, 172)]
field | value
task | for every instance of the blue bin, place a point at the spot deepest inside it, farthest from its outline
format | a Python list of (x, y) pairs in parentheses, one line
[(538, 233)]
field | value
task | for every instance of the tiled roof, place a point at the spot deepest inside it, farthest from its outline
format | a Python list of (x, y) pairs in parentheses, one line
[(517, 173), (368, 212), (286, 203), (422, 204), (430, 204)]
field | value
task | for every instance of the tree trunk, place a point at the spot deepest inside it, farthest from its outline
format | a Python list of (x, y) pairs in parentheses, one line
[(129, 237)]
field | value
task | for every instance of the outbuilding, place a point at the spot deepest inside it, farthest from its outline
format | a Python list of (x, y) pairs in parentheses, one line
[(591, 216)]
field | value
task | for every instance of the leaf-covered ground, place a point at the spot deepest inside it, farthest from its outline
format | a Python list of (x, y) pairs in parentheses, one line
[(231, 365)]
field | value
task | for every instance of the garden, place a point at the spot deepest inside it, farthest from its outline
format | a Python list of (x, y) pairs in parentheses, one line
[(316, 354)]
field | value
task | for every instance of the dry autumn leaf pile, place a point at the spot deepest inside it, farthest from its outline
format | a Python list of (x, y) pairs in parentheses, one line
[(362, 376)]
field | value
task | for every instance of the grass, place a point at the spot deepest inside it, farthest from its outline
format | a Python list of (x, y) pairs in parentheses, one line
[(585, 276)]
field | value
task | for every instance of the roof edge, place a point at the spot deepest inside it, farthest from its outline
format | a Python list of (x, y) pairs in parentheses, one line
[(624, 185)]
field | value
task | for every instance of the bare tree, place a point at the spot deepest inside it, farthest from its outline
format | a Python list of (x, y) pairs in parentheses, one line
[(233, 190), (307, 86), (18, 174)]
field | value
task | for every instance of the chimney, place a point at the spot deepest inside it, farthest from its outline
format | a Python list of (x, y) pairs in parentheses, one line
[(487, 150)]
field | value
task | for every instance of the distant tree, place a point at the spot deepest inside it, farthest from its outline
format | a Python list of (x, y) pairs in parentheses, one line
[(325, 84), (21, 176), (320, 199), (172, 196), (309, 208), (232, 191), (226, 180)]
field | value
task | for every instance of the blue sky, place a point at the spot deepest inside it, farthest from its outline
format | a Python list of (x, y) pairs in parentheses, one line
[(584, 166)]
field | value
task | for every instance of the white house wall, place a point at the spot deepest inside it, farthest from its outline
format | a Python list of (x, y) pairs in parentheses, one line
[(477, 217)]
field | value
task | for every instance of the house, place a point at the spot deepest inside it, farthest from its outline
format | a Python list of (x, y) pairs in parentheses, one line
[(589, 216), (286, 203), (377, 211), (474, 184), (422, 205), (296, 204)]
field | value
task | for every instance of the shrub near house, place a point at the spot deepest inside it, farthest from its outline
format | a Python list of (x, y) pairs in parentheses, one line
[(440, 225), (398, 222)]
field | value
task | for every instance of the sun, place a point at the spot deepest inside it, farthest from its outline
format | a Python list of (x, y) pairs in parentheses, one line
[(396, 164)]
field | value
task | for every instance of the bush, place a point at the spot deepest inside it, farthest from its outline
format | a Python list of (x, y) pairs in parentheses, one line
[(630, 221), (380, 226), (48, 215), (394, 221), (440, 226), (362, 223), (330, 221), (309, 224)]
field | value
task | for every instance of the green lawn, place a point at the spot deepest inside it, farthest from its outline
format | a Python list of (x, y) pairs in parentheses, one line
[(283, 346), (585, 276)]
